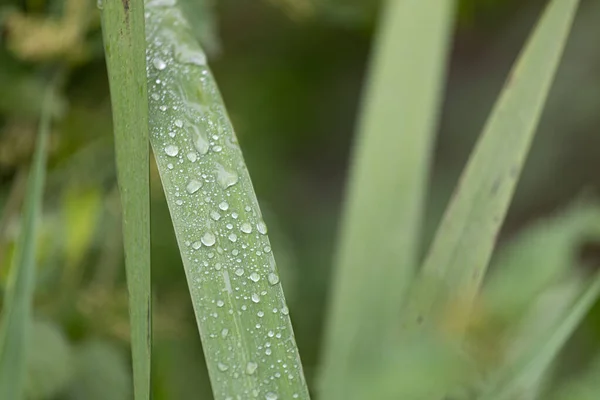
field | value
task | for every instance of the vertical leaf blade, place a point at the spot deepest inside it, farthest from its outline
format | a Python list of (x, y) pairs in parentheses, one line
[(16, 314), (458, 257), (238, 300), (380, 230), (125, 44)]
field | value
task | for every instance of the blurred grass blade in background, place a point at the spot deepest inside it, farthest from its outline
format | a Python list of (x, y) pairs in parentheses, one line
[(380, 232), (235, 288), (460, 252), (125, 44), (18, 298)]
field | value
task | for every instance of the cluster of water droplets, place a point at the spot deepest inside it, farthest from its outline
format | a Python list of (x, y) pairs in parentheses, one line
[(227, 254)]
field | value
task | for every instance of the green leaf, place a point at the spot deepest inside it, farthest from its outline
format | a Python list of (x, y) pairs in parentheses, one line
[(16, 314), (234, 284), (124, 44), (380, 232), (459, 255)]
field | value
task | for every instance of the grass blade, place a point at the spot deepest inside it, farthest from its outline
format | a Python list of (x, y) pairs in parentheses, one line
[(380, 230), (234, 285), (457, 260), (16, 314), (125, 46)]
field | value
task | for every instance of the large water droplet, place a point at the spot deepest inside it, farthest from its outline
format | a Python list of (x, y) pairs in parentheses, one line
[(215, 215), (239, 272), (193, 186), (224, 367), (262, 227), (254, 277), (246, 228), (220, 303), (226, 178), (255, 298), (233, 237), (273, 278), (172, 150), (208, 239), (199, 139), (271, 396), (285, 310), (251, 367), (178, 123), (224, 206), (192, 156), (159, 64), (196, 245)]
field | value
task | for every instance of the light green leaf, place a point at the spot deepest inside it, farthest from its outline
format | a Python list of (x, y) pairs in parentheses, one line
[(380, 232), (459, 255), (124, 44), (234, 284), (16, 314)]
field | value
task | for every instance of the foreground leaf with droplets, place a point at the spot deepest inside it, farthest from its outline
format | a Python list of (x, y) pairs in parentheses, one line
[(457, 260), (380, 233), (234, 284), (18, 298)]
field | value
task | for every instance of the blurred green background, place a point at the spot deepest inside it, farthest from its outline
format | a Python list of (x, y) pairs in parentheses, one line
[(291, 73)]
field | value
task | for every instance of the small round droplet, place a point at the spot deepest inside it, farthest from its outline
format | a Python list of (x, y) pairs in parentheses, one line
[(239, 272), (234, 215), (208, 239), (159, 64), (262, 227), (270, 334), (162, 108), (193, 186), (271, 396), (178, 123), (222, 367), (192, 156), (233, 237), (172, 150), (224, 206), (255, 298), (224, 333), (273, 278), (196, 245), (220, 303), (254, 277), (267, 249), (260, 314), (251, 367), (285, 310), (246, 228)]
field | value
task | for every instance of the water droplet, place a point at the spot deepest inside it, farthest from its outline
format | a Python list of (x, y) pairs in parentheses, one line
[(260, 314), (246, 228), (199, 140), (271, 396), (273, 278), (159, 64), (160, 3), (226, 178), (208, 239), (172, 150), (187, 55), (255, 298), (254, 277), (179, 202), (100, 4), (218, 266), (234, 215), (285, 310), (170, 166), (217, 149), (267, 249), (251, 367), (235, 252), (224, 206), (196, 245), (220, 303), (233, 237), (192, 156), (193, 186), (262, 227), (154, 96), (270, 334), (162, 108), (178, 123), (239, 272), (222, 367), (215, 215), (268, 352), (224, 333), (229, 226)]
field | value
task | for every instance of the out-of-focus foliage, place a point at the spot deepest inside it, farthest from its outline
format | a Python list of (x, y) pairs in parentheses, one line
[(291, 86)]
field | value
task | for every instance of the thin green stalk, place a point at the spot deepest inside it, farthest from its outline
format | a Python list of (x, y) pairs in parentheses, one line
[(125, 46), (457, 260), (380, 232), (17, 311), (238, 301)]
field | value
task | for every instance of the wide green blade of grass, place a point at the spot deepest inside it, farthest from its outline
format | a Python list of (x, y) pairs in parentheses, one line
[(18, 298), (125, 49), (380, 231), (235, 288), (459, 255)]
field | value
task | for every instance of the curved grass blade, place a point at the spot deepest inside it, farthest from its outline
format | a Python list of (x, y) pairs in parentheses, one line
[(17, 310), (125, 46), (238, 301), (457, 260), (380, 232)]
